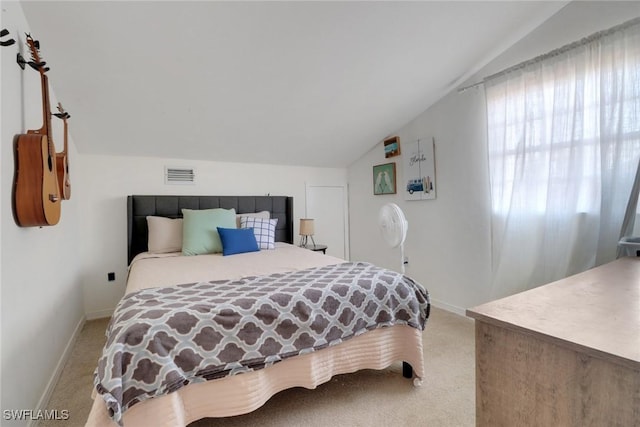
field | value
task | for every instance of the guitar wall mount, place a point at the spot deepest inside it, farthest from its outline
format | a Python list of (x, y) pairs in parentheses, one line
[(33, 64), (20, 60), (4, 33)]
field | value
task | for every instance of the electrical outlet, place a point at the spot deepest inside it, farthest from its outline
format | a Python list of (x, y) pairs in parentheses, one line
[(111, 276)]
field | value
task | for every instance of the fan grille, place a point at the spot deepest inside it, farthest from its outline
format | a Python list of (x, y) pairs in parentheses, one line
[(393, 224)]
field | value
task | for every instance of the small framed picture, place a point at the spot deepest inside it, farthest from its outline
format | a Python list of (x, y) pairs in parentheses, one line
[(391, 147), (384, 179)]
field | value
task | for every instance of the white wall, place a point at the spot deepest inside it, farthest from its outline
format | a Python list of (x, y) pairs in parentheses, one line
[(448, 238), (107, 180), (41, 293), (449, 241)]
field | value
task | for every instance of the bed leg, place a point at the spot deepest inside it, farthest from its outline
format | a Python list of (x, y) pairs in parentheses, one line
[(407, 370)]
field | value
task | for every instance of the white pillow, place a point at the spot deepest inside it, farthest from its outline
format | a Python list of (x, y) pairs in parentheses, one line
[(264, 230), (263, 215), (165, 234)]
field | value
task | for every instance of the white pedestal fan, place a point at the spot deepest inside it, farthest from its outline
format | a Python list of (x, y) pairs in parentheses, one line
[(393, 226)]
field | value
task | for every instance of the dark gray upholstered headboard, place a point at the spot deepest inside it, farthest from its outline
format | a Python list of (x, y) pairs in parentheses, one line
[(139, 207)]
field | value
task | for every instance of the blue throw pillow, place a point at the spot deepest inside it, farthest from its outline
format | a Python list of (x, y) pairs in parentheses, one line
[(237, 240)]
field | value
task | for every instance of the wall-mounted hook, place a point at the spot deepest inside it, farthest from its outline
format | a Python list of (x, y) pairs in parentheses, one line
[(38, 66), (4, 33), (20, 60)]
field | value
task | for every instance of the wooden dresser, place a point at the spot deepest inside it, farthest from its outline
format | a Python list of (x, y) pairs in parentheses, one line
[(563, 354)]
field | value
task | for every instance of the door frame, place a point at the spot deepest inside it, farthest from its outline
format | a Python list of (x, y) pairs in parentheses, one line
[(345, 206)]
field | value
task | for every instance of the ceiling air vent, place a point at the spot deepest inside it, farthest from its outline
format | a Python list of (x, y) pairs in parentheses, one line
[(179, 175)]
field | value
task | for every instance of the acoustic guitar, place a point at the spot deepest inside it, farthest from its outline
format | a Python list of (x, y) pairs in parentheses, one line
[(62, 158), (36, 190)]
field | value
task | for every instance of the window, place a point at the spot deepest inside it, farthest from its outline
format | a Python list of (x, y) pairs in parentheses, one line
[(545, 134), (564, 146)]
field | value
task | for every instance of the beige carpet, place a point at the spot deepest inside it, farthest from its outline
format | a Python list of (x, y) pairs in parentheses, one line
[(365, 398)]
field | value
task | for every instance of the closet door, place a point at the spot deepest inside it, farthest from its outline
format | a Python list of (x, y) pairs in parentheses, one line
[(327, 205)]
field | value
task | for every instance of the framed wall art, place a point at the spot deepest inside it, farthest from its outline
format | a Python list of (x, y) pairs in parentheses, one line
[(384, 179), (420, 170), (391, 147)]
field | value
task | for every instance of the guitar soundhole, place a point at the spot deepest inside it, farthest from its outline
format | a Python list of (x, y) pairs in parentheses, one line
[(50, 163)]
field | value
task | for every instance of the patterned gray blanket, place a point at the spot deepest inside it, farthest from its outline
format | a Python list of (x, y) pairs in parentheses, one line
[(162, 339)]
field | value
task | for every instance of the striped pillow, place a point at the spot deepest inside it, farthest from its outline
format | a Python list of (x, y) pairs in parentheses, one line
[(264, 230)]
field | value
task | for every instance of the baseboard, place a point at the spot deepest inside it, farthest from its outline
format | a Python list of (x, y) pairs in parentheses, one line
[(101, 314), (448, 307), (48, 391)]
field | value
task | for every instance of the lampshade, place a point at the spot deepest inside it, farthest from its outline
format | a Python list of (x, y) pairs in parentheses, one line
[(306, 227)]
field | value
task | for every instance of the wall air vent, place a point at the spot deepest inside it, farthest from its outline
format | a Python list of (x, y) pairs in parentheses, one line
[(179, 175)]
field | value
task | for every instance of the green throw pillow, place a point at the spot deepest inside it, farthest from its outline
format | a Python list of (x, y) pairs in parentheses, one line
[(200, 229)]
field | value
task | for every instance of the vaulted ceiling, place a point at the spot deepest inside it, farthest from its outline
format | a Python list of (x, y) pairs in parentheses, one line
[(295, 83)]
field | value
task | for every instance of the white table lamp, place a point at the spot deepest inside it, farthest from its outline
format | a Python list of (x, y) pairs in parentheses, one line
[(306, 230)]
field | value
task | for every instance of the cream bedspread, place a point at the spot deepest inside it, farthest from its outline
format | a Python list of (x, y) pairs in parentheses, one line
[(153, 270)]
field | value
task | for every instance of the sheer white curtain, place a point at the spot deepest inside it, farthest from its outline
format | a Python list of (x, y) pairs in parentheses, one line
[(563, 145)]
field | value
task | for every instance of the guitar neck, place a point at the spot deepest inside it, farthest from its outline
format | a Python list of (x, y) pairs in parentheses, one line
[(34, 46), (65, 136), (46, 112)]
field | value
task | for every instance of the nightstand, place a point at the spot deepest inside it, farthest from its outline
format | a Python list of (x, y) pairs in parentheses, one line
[(316, 248)]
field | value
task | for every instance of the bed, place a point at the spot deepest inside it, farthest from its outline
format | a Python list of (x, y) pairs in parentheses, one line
[(216, 336)]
